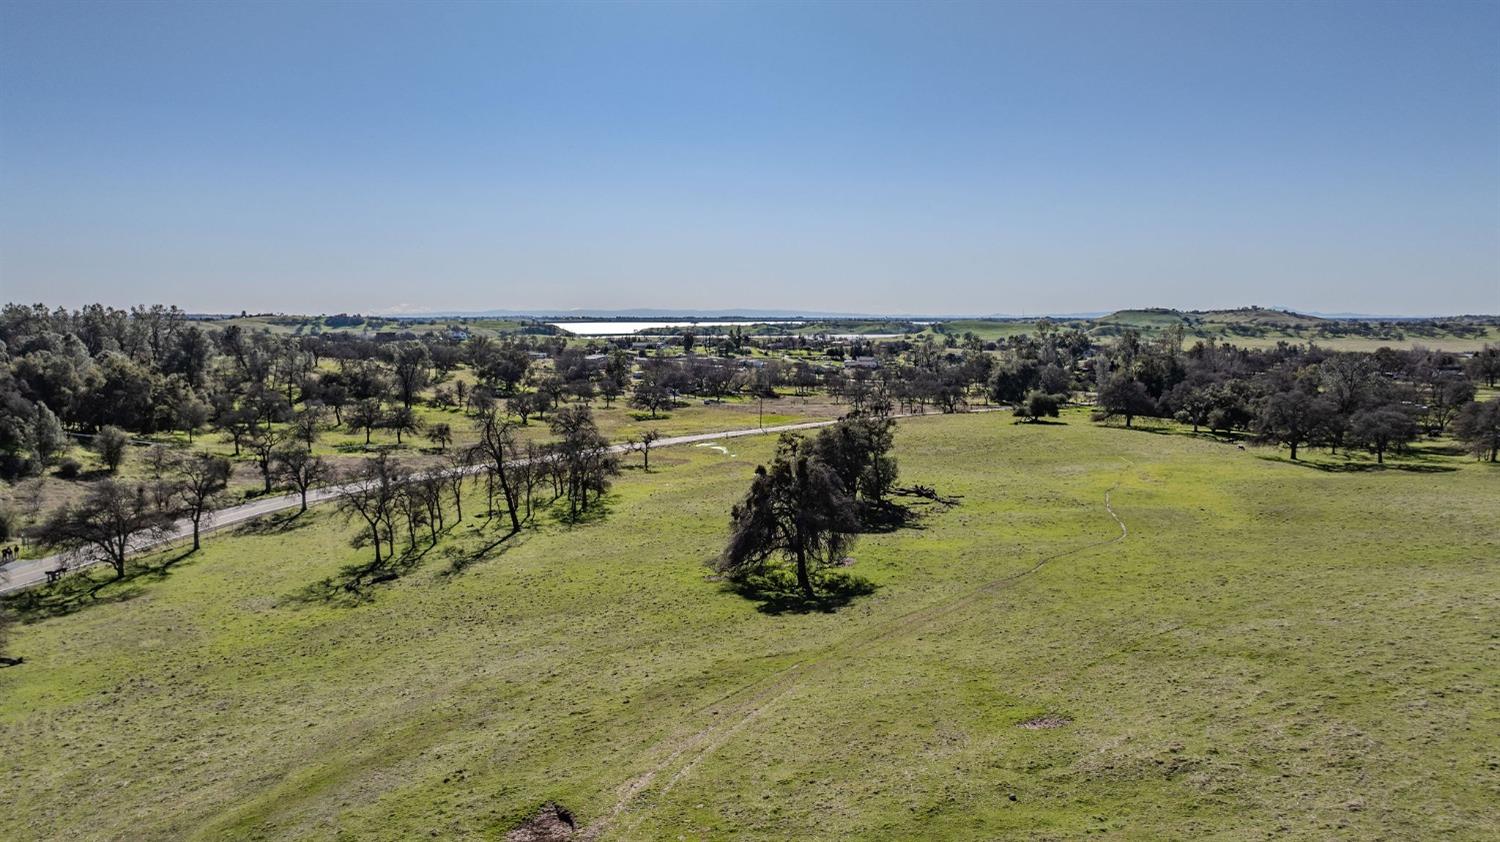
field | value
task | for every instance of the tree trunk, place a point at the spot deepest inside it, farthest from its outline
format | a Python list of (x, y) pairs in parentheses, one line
[(803, 580), (510, 500), (304, 501), (1294, 450), (195, 531)]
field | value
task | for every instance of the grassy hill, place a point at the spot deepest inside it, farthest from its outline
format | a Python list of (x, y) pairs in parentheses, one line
[(1301, 647), (1259, 316), (1259, 327), (1155, 317)]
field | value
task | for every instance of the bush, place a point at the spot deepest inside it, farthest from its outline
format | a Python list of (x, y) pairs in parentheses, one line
[(1038, 404), (69, 468), (111, 443)]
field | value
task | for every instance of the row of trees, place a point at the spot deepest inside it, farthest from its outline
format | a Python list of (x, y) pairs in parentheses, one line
[(114, 517), (519, 477), (1296, 396)]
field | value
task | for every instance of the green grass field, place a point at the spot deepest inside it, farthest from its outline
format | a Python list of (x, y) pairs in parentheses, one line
[(1300, 651)]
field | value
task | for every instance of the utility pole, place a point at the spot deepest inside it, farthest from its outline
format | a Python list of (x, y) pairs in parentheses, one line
[(762, 411)]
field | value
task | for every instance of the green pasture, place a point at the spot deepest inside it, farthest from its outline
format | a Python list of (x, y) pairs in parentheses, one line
[(1254, 648)]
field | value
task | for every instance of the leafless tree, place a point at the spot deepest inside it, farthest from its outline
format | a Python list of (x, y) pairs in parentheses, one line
[(300, 469), (497, 448), (370, 495), (106, 523), (201, 479)]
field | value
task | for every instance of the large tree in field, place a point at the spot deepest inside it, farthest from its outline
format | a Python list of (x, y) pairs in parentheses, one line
[(1382, 428), (796, 509), (201, 480), (113, 517), (1292, 417), (1478, 426), (1123, 395), (651, 394)]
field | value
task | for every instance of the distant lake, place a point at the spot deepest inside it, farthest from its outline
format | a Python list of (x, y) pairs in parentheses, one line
[(628, 328)]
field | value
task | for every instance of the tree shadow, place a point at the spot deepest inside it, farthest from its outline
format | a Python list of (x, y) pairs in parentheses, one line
[(354, 584), (85, 588), (889, 516), (777, 592), (460, 559), (277, 523), (1352, 467), (597, 512)]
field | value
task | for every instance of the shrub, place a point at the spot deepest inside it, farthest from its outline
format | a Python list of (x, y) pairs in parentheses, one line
[(69, 468), (111, 443)]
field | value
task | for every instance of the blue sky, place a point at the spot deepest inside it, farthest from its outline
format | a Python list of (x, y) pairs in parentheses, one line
[(978, 158)]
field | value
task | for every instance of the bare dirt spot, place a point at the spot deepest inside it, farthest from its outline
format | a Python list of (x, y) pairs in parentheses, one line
[(1046, 720), (552, 823)]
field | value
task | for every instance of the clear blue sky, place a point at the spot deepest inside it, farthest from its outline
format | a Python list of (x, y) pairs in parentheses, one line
[(311, 157)]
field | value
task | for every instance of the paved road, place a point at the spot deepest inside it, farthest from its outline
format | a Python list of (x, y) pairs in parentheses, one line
[(19, 575)]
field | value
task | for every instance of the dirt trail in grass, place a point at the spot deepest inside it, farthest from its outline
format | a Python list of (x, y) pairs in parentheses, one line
[(758, 696)]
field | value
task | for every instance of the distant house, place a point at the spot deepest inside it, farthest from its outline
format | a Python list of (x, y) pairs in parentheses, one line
[(537, 355), (596, 358), (862, 362)]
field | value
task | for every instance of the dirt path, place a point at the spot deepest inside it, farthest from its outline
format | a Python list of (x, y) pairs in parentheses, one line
[(740, 707)]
